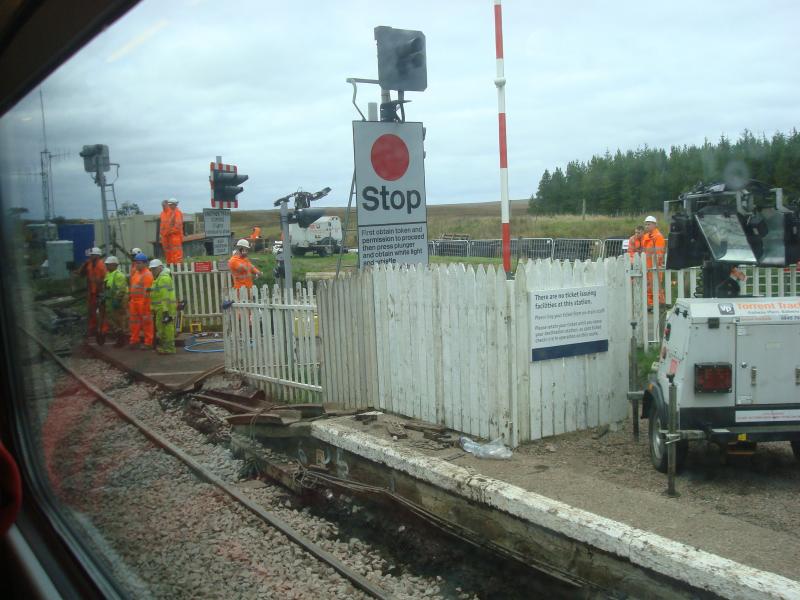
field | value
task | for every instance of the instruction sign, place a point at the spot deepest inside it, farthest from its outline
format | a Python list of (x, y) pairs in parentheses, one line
[(222, 245), (568, 322), (217, 222), (390, 193)]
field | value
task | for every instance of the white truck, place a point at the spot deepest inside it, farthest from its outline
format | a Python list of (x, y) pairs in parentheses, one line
[(734, 361), (323, 236)]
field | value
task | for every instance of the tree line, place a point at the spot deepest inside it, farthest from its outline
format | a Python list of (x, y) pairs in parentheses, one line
[(641, 180)]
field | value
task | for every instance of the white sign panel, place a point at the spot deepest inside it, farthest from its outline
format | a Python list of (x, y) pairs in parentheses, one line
[(222, 245), (217, 222), (568, 322), (390, 191)]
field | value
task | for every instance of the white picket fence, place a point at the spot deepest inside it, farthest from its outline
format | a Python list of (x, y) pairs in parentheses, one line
[(271, 340), (451, 345), (202, 291), (683, 283)]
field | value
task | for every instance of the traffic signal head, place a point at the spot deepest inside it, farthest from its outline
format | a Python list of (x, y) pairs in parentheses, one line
[(305, 216), (225, 180), (93, 153), (401, 59)]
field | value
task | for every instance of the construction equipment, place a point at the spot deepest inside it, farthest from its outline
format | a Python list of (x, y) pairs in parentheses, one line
[(731, 361)]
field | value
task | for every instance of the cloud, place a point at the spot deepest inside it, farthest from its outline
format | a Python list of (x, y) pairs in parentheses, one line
[(173, 84)]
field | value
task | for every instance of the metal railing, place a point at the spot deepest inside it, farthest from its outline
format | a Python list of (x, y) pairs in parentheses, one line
[(571, 249)]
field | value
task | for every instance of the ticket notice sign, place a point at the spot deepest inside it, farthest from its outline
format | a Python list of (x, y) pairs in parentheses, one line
[(390, 193), (568, 322)]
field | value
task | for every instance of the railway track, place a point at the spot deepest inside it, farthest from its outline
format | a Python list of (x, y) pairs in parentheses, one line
[(266, 516)]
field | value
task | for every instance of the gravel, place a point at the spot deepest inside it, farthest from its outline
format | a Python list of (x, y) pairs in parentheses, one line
[(168, 535)]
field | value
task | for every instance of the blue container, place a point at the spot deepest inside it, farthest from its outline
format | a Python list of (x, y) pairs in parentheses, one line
[(82, 236)]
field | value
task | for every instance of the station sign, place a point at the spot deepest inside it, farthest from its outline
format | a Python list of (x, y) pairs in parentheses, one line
[(568, 322), (390, 193)]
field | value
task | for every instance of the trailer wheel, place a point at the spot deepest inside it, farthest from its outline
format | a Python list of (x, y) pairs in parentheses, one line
[(323, 252), (658, 446), (796, 449)]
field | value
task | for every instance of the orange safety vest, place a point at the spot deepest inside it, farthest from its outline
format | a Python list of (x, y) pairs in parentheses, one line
[(95, 272), (176, 222), (654, 246), (139, 292), (242, 271), (163, 225), (256, 233), (634, 245)]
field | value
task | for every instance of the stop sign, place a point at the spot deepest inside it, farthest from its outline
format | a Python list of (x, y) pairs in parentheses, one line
[(390, 192)]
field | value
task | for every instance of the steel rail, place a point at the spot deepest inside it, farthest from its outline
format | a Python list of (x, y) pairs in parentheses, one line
[(358, 580)]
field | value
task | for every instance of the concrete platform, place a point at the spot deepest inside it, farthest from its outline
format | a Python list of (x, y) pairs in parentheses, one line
[(176, 372), (590, 522)]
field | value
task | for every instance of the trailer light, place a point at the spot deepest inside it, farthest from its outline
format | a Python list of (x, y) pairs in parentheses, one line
[(713, 378)]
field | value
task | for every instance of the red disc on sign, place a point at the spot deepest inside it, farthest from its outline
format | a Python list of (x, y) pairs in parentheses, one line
[(389, 157)]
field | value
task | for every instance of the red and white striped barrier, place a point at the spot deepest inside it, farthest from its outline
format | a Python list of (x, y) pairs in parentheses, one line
[(500, 83)]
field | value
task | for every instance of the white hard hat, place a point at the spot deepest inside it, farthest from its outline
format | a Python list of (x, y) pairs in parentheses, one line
[(95, 252), (136, 251), (112, 260), (243, 243), (172, 201), (650, 219), (156, 263)]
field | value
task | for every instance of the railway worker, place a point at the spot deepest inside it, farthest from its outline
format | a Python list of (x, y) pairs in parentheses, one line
[(114, 291), (635, 242), (164, 307), (242, 270), (141, 319), (95, 272), (132, 254), (654, 247), (171, 231), (255, 237)]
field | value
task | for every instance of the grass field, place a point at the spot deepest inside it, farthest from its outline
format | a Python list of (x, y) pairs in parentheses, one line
[(478, 220), (301, 265)]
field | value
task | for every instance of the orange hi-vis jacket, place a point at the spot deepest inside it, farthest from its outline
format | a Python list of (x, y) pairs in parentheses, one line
[(95, 272), (141, 282), (635, 245), (242, 271), (256, 233), (654, 247)]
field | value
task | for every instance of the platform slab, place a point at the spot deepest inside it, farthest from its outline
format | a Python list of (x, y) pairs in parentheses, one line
[(173, 372), (480, 481)]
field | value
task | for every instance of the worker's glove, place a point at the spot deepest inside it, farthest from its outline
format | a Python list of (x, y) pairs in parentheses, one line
[(227, 304), (182, 305), (166, 319)]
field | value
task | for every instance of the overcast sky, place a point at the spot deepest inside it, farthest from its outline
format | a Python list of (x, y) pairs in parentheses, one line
[(176, 82)]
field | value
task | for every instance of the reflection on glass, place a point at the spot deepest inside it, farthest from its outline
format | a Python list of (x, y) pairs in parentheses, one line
[(773, 252), (726, 238)]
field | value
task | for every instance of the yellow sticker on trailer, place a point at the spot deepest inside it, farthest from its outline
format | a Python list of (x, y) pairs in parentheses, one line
[(742, 437)]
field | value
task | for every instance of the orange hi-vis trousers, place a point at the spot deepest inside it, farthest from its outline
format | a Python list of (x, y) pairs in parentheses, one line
[(141, 322)]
